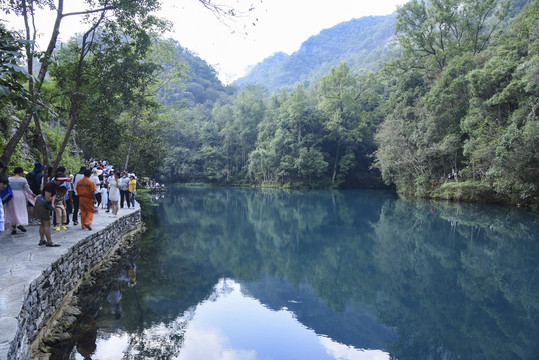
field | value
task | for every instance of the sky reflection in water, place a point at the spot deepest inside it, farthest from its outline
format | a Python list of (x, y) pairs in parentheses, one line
[(233, 326), (265, 274)]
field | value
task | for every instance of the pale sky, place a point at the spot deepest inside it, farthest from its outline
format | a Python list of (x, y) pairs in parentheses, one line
[(231, 47)]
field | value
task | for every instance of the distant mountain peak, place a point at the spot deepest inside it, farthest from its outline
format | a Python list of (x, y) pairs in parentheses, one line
[(361, 42)]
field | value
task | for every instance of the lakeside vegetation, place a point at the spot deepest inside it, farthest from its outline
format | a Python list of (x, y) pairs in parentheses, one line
[(458, 93)]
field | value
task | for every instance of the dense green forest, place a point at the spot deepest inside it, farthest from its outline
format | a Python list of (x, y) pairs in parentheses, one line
[(451, 113)]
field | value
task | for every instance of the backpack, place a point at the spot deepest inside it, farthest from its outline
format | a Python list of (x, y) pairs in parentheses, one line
[(31, 177)]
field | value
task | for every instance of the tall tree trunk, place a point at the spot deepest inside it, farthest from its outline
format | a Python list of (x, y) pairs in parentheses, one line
[(44, 149), (336, 160), (17, 136), (133, 129), (30, 47), (23, 126), (75, 97), (128, 153)]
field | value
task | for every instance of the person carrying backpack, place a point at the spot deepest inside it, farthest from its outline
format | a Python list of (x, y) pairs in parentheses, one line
[(35, 178)]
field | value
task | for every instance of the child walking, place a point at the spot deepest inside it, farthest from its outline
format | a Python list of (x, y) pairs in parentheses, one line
[(104, 195), (60, 208)]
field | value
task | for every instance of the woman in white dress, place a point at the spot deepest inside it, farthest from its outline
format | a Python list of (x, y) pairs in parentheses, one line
[(16, 212), (114, 193)]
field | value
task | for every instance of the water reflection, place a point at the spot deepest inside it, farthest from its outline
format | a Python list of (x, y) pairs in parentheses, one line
[(328, 275), (231, 325)]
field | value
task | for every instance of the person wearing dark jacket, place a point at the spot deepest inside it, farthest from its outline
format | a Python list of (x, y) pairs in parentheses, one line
[(34, 179)]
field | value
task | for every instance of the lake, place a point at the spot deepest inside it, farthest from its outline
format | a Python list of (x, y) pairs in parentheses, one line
[(239, 274)]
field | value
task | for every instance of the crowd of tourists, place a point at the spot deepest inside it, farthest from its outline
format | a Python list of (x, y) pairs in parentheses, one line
[(26, 198)]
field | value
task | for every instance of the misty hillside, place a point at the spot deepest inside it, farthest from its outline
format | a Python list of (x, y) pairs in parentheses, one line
[(362, 43)]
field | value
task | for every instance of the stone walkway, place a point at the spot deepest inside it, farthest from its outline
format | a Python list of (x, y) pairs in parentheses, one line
[(22, 261)]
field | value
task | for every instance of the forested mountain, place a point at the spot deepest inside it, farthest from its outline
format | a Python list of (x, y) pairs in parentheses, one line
[(200, 85), (362, 43), (452, 114)]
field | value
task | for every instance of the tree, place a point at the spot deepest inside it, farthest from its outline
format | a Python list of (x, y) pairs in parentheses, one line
[(12, 90), (159, 68), (432, 34), (338, 93), (432, 109), (249, 110), (311, 164), (122, 11)]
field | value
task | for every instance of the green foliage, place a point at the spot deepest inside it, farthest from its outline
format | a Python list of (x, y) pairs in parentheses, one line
[(458, 94), (469, 191), (108, 86), (285, 140), (200, 85), (464, 100), (13, 76)]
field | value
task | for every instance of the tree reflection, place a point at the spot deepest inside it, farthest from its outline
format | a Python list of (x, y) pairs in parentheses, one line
[(454, 281), (459, 280)]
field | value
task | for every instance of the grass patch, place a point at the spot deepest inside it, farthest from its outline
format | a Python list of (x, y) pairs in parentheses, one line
[(468, 191)]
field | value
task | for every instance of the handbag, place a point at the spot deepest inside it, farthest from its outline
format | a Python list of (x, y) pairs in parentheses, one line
[(47, 204), (6, 194)]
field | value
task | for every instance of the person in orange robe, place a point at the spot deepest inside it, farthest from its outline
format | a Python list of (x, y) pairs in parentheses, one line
[(86, 192)]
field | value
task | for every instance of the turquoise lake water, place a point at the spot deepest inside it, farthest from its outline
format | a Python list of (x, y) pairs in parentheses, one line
[(241, 274)]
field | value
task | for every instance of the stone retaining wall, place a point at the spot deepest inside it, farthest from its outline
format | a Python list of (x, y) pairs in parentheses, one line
[(46, 293)]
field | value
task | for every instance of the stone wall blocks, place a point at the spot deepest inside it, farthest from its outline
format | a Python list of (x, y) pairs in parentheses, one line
[(46, 293)]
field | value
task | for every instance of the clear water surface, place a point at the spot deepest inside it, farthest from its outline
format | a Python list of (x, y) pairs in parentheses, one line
[(238, 274)]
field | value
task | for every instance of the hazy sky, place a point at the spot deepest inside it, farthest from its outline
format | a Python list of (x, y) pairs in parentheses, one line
[(282, 26), (232, 45)]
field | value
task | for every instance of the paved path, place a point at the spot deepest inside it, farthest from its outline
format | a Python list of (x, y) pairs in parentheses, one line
[(22, 260)]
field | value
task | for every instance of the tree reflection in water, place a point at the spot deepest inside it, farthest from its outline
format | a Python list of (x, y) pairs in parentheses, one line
[(415, 279)]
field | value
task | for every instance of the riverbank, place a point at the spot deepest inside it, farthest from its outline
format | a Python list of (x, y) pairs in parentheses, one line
[(478, 192), (468, 191), (34, 279)]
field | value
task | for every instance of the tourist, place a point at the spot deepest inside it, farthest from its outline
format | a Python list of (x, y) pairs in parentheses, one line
[(16, 212), (78, 176), (3, 185), (5, 194), (124, 190), (68, 197), (100, 173), (106, 200), (132, 188), (114, 193), (44, 205), (60, 208), (97, 181), (35, 181), (104, 195), (86, 192), (49, 177)]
